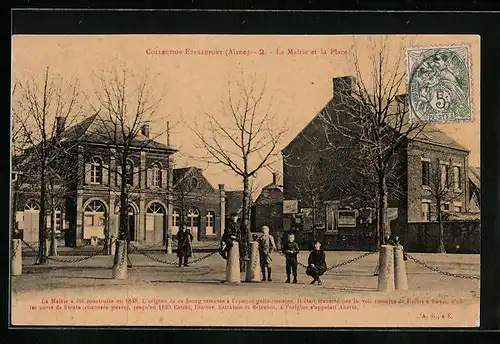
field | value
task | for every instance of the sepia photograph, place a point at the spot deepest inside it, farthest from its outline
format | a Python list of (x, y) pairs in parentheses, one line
[(245, 180)]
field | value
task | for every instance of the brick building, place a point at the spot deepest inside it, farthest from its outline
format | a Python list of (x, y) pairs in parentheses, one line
[(197, 203), (268, 207), (88, 207), (338, 205)]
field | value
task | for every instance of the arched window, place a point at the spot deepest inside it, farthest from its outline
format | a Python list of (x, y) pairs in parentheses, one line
[(176, 221), (156, 208), (210, 223), (130, 172), (96, 170), (95, 220), (194, 183), (156, 175), (193, 216), (31, 206)]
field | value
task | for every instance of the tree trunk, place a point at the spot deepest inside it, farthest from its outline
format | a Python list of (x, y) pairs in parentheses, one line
[(441, 229), (382, 211), (42, 221), (122, 225), (246, 235), (53, 240)]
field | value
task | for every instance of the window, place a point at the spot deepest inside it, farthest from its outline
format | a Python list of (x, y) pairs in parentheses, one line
[(210, 223), (457, 177), (425, 173), (31, 206), (176, 218), (457, 207), (194, 183), (156, 175), (426, 211), (96, 171), (445, 206), (130, 172), (155, 208), (444, 176)]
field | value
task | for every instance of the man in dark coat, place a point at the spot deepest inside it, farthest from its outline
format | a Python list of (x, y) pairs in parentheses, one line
[(290, 250), (184, 248), (231, 234)]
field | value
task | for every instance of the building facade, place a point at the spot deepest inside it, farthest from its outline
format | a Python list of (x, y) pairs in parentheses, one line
[(338, 205), (88, 206), (197, 204)]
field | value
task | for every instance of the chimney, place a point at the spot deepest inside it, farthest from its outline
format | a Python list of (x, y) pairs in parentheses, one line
[(145, 129), (343, 85), (275, 179), (60, 122)]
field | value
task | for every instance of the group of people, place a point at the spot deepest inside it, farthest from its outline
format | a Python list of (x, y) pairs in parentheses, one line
[(316, 261)]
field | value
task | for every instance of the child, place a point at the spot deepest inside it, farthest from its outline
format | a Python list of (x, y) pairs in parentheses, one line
[(291, 250), (317, 263), (266, 246)]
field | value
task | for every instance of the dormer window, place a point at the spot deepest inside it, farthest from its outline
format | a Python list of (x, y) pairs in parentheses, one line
[(194, 183)]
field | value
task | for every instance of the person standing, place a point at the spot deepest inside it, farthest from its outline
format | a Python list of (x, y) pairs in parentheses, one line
[(316, 263), (184, 248), (291, 250), (266, 246)]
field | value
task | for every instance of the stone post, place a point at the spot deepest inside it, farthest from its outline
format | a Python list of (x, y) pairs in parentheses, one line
[(17, 257), (233, 264), (386, 269), (400, 277), (253, 271), (112, 246)]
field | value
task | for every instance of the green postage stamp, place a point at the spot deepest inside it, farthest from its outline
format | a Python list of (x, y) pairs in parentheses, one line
[(439, 83)]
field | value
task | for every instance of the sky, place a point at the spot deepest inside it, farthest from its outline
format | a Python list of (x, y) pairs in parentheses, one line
[(298, 85)]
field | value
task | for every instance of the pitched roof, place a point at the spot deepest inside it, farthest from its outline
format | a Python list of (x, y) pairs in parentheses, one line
[(270, 195), (180, 173), (96, 129), (475, 176), (431, 134), (234, 202)]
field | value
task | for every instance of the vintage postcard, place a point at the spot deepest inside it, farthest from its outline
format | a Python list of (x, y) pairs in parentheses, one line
[(253, 180)]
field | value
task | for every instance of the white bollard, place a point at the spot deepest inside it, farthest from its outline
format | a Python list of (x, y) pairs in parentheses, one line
[(253, 268), (17, 257), (386, 268), (169, 245), (233, 264), (112, 247), (120, 268), (400, 276)]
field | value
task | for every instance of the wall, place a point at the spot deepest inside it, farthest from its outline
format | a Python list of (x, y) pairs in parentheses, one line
[(459, 237), (417, 151)]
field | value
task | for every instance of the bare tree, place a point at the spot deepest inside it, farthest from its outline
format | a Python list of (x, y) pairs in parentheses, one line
[(245, 140), (125, 103), (443, 190), (371, 117), (37, 111)]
